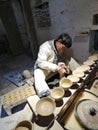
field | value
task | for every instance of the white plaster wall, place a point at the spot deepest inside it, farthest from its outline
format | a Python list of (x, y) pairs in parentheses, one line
[(83, 14), (60, 15), (43, 34), (71, 16), (77, 15)]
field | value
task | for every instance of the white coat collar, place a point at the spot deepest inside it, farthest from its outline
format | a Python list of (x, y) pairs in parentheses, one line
[(51, 42)]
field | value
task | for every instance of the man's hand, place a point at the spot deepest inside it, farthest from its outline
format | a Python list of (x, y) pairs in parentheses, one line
[(67, 69), (63, 69)]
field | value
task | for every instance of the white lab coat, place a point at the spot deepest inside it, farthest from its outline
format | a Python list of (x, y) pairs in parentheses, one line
[(47, 58), (46, 63)]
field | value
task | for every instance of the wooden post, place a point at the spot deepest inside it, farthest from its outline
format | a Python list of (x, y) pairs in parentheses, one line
[(30, 26)]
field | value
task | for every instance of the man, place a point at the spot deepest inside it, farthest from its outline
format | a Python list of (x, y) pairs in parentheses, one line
[(47, 62)]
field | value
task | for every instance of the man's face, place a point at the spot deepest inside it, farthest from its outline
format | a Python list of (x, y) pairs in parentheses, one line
[(60, 47)]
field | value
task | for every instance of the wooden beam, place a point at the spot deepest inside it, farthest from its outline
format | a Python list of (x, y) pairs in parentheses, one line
[(30, 26)]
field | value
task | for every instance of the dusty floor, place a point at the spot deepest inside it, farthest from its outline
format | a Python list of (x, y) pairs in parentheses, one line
[(8, 64)]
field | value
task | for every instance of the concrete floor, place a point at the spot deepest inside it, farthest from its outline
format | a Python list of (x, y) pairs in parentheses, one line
[(8, 64)]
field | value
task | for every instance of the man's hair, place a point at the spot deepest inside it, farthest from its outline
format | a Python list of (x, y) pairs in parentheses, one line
[(65, 39)]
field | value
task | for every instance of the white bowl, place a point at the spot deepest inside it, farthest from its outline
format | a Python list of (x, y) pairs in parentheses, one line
[(83, 68), (65, 83), (57, 93), (93, 57), (24, 125), (73, 78), (77, 73), (45, 106), (88, 62)]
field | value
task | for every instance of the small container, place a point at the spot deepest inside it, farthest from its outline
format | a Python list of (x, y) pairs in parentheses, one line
[(57, 93), (27, 74), (65, 83), (77, 73), (73, 78), (45, 106), (24, 125)]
